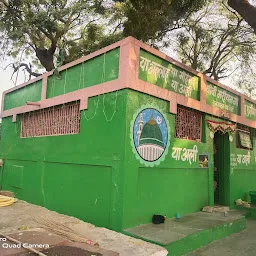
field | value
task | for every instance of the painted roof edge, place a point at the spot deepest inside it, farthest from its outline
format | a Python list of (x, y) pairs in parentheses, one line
[(72, 64), (141, 45), (183, 66)]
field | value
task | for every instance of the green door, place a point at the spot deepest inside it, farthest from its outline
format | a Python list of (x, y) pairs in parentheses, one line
[(222, 169)]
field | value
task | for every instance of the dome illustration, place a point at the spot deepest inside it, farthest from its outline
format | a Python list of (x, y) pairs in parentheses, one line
[(150, 143), (151, 134)]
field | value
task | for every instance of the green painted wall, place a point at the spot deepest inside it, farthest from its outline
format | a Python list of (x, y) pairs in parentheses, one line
[(98, 70), (19, 97), (97, 175), (176, 186), (223, 99), (167, 75), (170, 187), (98, 171), (79, 175), (250, 110), (243, 176)]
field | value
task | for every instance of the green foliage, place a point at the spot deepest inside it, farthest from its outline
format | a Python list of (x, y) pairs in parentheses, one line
[(151, 20), (30, 25), (39, 27)]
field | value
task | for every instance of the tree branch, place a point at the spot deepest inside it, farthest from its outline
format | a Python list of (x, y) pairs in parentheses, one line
[(246, 10), (26, 66)]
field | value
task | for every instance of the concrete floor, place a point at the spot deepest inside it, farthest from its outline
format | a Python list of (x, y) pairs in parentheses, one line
[(23, 215), (21, 221), (239, 244), (173, 230)]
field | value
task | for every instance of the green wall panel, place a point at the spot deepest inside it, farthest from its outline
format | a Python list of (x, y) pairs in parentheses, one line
[(23, 178), (243, 181), (160, 72), (83, 191), (172, 185), (250, 110), (98, 70), (98, 170), (170, 191), (16, 174), (84, 167), (19, 97), (243, 172), (223, 99)]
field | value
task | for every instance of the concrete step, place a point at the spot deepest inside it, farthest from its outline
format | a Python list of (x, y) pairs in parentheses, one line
[(192, 231)]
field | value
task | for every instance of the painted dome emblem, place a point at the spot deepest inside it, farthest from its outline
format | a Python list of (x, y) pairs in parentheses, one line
[(150, 134)]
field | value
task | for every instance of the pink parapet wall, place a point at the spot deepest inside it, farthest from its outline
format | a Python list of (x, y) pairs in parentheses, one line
[(129, 78)]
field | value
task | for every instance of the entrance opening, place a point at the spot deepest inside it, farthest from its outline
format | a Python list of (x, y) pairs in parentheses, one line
[(221, 168)]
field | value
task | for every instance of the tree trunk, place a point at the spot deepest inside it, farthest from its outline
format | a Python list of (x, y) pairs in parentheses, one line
[(246, 10), (46, 58)]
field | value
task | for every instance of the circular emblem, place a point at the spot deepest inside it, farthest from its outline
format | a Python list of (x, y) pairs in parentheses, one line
[(150, 135), (231, 138), (211, 134)]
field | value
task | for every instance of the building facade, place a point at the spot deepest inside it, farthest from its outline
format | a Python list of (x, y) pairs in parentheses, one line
[(127, 132)]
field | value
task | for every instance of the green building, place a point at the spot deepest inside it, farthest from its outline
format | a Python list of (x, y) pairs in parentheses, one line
[(127, 132)]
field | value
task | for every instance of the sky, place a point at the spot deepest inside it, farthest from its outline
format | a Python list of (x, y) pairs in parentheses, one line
[(5, 79)]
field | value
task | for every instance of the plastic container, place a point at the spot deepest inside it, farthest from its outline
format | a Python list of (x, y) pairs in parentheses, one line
[(253, 197)]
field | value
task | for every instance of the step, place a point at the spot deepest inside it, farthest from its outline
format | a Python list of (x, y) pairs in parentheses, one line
[(191, 232)]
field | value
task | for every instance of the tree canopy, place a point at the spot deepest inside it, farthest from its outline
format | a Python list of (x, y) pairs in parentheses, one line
[(40, 26), (33, 32), (80, 26), (216, 41), (151, 20)]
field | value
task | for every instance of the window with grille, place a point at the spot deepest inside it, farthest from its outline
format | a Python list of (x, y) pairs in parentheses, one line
[(59, 120), (188, 124), (243, 137)]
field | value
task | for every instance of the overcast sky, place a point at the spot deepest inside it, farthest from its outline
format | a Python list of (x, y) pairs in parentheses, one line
[(5, 80)]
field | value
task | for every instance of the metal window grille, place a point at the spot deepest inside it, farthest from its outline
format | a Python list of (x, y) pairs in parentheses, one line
[(60, 120), (188, 124)]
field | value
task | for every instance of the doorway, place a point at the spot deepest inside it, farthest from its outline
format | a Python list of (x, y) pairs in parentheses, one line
[(221, 172)]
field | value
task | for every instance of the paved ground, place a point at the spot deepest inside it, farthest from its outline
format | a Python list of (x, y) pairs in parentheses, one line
[(23, 222), (239, 244), (173, 230)]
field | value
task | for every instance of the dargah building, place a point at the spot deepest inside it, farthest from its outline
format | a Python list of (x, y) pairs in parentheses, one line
[(128, 132)]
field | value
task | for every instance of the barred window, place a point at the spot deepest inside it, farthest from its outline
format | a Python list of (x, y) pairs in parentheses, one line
[(243, 137), (188, 124), (59, 120)]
